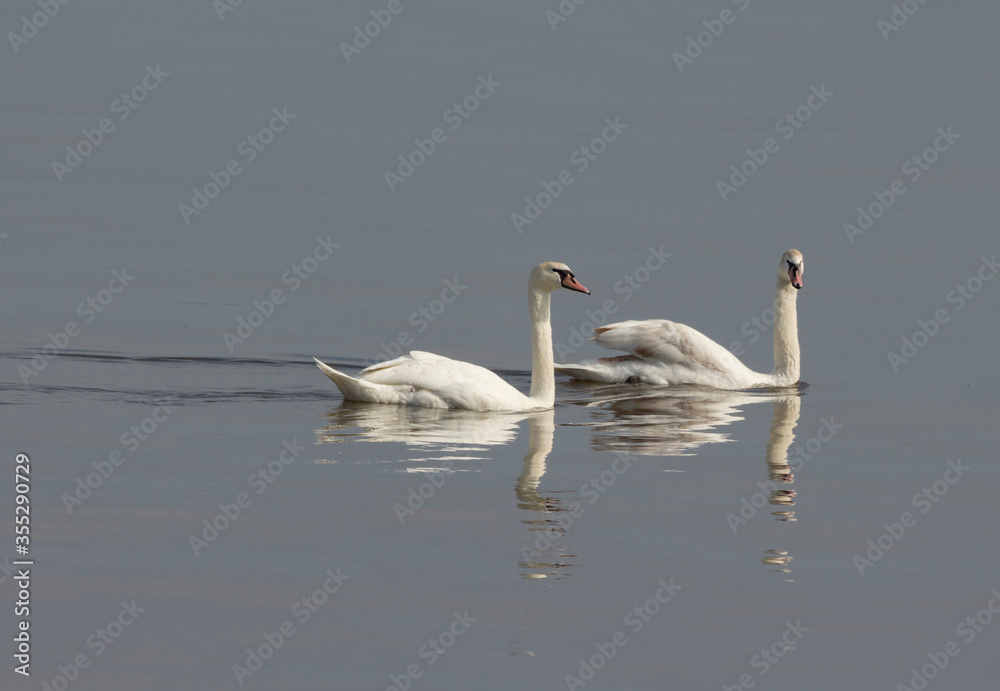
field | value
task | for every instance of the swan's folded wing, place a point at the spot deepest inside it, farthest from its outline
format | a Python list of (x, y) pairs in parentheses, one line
[(402, 360), (668, 343), (444, 376)]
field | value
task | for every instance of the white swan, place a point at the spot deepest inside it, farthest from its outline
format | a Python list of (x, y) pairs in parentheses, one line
[(433, 381), (664, 352)]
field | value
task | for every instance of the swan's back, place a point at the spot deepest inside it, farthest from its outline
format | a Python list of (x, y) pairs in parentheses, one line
[(458, 384), (669, 343), (665, 352)]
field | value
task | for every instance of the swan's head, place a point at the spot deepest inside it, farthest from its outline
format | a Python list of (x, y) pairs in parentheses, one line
[(549, 276), (792, 266)]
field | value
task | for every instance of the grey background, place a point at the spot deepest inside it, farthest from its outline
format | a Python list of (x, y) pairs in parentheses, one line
[(655, 185)]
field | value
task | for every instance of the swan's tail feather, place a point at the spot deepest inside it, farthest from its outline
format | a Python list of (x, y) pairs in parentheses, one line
[(353, 389)]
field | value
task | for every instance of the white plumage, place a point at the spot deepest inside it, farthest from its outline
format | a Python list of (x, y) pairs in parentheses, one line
[(433, 381), (665, 352), (429, 380)]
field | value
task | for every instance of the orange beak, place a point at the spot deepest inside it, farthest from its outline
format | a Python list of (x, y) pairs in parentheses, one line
[(573, 284)]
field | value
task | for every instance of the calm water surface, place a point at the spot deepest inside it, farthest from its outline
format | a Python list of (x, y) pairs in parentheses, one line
[(634, 537)]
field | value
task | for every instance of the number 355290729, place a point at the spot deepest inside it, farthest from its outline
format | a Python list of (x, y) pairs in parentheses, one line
[(22, 504)]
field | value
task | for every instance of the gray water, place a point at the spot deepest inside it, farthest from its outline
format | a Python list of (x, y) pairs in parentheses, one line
[(748, 514)]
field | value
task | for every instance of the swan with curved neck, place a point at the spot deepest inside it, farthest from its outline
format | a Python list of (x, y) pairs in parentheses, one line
[(665, 352), (433, 381)]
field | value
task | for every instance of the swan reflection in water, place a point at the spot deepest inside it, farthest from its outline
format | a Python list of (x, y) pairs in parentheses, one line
[(439, 437), (412, 425), (544, 555), (448, 436), (673, 421), (676, 421)]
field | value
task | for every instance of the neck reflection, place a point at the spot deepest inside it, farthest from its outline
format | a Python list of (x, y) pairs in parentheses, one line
[(544, 554), (779, 471)]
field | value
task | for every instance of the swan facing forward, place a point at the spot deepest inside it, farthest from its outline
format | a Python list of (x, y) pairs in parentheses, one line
[(665, 352), (433, 381)]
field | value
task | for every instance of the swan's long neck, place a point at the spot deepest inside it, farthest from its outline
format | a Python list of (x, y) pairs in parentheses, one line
[(543, 375), (786, 335)]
